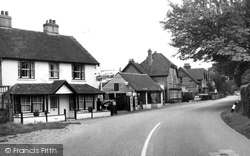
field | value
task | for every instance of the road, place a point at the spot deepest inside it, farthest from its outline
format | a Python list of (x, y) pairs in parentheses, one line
[(185, 129)]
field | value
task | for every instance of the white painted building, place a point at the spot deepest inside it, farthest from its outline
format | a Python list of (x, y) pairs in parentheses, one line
[(48, 73)]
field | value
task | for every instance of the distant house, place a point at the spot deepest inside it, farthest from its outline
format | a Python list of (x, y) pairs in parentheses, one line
[(47, 72), (194, 80), (133, 91), (162, 71)]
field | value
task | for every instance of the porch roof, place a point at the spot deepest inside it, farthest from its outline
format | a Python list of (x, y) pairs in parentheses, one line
[(141, 82), (52, 88), (86, 89)]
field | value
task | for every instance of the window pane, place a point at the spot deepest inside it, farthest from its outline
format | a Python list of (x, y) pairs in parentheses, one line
[(78, 71), (53, 102), (37, 103), (26, 69), (81, 102), (116, 86), (71, 102), (54, 70), (89, 101), (25, 104)]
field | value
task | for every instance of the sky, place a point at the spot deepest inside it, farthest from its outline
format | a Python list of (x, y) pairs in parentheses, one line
[(113, 31)]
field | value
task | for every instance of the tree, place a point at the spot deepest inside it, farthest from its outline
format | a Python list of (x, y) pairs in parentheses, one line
[(211, 30), (214, 30), (203, 29), (222, 82)]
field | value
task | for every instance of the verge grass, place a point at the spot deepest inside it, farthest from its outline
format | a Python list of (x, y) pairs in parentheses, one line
[(11, 128), (236, 121)]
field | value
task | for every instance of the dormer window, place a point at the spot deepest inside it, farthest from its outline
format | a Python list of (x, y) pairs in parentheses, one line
[(78, 71), (26, 69), (53, 70)]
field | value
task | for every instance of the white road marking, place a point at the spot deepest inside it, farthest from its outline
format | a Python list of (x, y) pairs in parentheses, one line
[(224, 153), (144, 150)]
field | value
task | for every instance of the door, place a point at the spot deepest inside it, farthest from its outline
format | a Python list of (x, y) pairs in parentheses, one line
[(54, 103)]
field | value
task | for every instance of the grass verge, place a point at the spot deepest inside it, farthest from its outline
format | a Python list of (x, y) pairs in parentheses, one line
[(236, 121), (14, 128)]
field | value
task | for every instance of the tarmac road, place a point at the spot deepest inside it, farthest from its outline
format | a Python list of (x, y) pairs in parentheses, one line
[(185, 129)]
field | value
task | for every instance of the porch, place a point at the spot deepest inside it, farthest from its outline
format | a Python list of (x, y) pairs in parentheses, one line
[(54, 102)]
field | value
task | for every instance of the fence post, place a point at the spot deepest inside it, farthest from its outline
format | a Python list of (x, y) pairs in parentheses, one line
[(46, 115), (21, 117), (65, 114)]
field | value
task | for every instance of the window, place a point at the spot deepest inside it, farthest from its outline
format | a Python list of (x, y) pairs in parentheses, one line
[(37, 103), (191, 83), (81, 102), (25, 104), (26, 69), (71, 102), (78, 71), (116, 86), (142, 98), (54, 70), (53, 102), (88, 101), (154, 97)]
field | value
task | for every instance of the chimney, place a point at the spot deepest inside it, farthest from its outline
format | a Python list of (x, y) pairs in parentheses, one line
[(187, 66), (5, 19), (50, 27), (150, 57)]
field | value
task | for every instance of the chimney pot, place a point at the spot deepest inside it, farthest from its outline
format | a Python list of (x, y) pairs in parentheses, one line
[(5, 19), (187, 65), (50, 27)]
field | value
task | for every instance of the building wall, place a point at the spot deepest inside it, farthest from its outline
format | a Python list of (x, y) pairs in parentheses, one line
[(123, 86), (172, 78), (188, 83), (10, 73)]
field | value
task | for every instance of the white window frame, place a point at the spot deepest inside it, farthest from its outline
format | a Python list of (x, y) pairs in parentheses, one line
[(78, 71), (26, 69), (53, 70), (25, 103), (37, 102)]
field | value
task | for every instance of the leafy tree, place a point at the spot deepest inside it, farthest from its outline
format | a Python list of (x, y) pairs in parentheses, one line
[(212, 30)]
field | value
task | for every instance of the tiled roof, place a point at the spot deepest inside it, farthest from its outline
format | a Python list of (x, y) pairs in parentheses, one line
[(141, 82), (160, 65), (52, 88), (31, 89), (23, 44), (86, 89), (198, 73), (190, 75), (136, 66)]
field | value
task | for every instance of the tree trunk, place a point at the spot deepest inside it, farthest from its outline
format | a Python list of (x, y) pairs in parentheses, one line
[(245, 100)]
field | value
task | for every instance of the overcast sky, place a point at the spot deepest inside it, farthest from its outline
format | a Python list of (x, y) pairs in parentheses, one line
[(113, 31)]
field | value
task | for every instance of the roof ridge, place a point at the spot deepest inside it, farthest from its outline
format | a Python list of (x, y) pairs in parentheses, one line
[(132, 73)]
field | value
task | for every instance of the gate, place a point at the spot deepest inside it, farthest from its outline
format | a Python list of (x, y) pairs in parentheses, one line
[(5, 105)]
